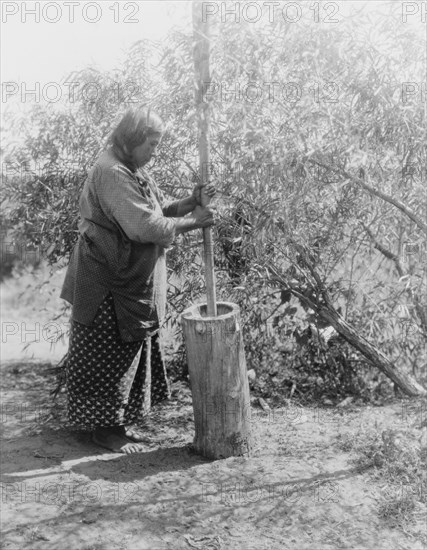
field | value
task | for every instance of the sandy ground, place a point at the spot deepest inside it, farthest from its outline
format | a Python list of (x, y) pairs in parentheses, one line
[(299, 490)]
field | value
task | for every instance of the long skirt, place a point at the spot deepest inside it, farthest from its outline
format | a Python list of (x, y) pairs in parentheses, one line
[(103, 390)]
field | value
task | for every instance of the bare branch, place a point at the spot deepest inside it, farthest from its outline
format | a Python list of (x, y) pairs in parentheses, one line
[(387, 198), (385, 251), (328, 313)]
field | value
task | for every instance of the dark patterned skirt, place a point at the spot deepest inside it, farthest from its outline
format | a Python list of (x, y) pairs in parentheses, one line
[(107, 384)]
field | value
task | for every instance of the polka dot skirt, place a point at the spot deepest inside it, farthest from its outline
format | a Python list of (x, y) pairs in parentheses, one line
[(111, 382)]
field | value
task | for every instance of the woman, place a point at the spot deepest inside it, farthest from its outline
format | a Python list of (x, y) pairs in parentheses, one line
[(116, 283)]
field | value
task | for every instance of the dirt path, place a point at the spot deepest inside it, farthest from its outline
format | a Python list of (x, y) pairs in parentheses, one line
[(300, 490)]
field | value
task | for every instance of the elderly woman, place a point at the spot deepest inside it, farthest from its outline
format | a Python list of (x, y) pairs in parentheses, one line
[(116, 283)]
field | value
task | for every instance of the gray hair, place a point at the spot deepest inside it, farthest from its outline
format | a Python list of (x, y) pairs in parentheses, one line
[(135, 127)]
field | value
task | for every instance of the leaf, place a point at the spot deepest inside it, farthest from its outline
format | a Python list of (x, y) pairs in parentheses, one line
[(51, 249)]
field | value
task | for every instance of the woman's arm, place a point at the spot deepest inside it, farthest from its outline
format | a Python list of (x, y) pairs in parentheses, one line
[(184, 206), (178, 209), (121, 200), (202, 217)]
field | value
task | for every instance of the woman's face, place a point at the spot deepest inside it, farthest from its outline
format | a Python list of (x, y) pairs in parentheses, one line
[(145, 152)]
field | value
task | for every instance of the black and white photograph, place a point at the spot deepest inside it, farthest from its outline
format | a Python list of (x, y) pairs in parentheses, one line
[(213, 276)]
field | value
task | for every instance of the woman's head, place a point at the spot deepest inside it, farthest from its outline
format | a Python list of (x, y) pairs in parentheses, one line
[(136, 136)]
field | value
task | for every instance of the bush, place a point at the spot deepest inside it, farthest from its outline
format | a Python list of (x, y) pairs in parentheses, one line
[(310, 191)]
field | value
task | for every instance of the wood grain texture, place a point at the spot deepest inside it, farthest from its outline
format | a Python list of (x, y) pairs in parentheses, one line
[(219, 381), (202, 79)]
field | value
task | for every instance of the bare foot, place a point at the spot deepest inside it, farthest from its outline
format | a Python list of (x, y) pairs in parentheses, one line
[(112, 439), (129, 433), (134, 435)]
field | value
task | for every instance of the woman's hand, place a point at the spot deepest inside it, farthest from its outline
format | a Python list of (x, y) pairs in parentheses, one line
[(204, 216), (209, 189)]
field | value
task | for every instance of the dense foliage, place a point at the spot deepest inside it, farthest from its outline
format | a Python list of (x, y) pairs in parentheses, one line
[(319, 157)]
